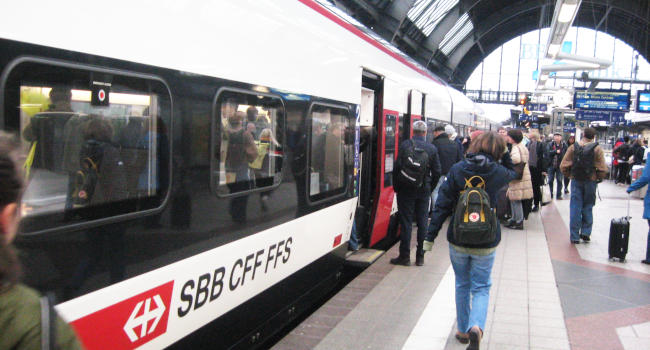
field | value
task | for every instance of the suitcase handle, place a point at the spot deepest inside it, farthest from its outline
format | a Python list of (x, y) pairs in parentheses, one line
[(629, 196)]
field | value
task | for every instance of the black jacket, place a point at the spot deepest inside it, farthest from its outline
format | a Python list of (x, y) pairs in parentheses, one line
[(637, 151), (542, 162), (448, 152), (495, 175), (433, 174), (555, 158)]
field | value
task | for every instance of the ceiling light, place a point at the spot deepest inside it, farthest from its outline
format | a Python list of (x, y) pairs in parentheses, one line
[(553, 49), (566, 12)]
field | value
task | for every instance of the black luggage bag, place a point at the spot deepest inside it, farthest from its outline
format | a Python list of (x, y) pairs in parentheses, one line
[(619, 236), (503, 204)]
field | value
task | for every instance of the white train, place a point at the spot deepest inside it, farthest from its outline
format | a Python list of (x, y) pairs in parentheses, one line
[(194, 167)]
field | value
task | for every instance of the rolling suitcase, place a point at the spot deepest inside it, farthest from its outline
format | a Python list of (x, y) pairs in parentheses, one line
[(503, 204), (619, 236)]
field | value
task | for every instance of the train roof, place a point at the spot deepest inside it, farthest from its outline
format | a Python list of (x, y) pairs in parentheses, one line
[(298, 46)]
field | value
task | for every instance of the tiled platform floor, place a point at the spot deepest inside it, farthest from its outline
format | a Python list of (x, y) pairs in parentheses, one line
[(546, 294)]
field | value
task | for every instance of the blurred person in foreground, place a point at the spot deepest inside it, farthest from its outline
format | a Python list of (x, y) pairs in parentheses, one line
[(472, 263), (638, 184), (585, 163), (21, 321)]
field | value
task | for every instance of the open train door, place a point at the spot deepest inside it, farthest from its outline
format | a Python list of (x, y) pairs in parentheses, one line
[(378, 150)]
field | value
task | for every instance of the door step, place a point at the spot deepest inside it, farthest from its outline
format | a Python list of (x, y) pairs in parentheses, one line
[(363, 257)]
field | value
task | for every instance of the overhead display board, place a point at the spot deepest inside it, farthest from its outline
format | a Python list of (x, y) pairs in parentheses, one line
[(643, 101), (602, 100)]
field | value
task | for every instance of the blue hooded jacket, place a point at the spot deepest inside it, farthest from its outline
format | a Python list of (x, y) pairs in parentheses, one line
[(495, 176), (638, 184)]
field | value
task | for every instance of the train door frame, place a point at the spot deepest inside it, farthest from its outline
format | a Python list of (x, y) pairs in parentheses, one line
[(368, 157)]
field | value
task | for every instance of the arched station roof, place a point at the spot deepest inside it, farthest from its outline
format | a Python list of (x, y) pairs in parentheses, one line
[(452, 37)]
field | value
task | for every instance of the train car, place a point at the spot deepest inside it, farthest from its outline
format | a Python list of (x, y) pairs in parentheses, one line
[(194, 170)]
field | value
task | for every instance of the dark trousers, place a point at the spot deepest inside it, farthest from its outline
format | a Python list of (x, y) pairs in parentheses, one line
[(555, 174), (566, 182), (623, 173), (537, 179), (412, 206)]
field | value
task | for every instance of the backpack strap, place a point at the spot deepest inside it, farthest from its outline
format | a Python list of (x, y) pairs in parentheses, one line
[(468, 182), (48, 322)]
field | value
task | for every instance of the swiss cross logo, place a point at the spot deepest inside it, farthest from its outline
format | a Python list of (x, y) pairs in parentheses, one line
[(141, 320), (127, 324)]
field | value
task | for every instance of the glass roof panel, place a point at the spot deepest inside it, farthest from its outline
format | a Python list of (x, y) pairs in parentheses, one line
[(426, 14), (458, 32)]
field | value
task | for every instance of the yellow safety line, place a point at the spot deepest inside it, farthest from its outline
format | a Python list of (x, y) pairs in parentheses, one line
[(371, 257)]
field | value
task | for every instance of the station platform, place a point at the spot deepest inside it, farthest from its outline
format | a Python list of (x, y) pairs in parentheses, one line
[(546, 293)]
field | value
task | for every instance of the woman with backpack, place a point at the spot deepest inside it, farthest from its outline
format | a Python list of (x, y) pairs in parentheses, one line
[(21, 321), (522, 188), (472, 257)]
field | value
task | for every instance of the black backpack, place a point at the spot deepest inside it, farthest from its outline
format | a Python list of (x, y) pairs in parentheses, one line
[(583, 161), (474, 222), (414, 163), (85, 181)]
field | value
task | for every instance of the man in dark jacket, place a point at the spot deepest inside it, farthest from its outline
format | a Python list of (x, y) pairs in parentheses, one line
[(449, 154), (585, 175), (414, 202), (555, 152)]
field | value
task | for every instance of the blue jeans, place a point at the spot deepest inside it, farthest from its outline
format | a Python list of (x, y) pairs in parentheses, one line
[(557, 174), (434, 195), (472, 278), (410, 207), (583, 199), (354, 242)]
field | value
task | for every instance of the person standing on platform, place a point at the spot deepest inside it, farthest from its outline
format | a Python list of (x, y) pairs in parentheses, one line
[(522, 189), (555, 153), (416, 170), (585, 163), (638, 184), (536, 166), (637, 152), (449, 154), (570, 141), (622, 154), (472, 263)]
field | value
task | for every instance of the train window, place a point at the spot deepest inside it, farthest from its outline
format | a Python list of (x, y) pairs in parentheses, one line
[(389, 142), (248, 154), (332, 151), (96, 142)]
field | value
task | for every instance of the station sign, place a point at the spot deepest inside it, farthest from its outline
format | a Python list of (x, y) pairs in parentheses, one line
[(643, 101), (593, 115), (602, 100), (618, 119), (569, 127), (540, 107)]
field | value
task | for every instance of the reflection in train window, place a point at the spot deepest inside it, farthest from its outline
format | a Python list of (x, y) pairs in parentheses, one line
[(332, 151), (84, 152), (248, 154)]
